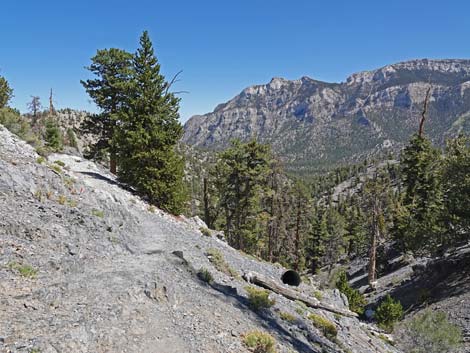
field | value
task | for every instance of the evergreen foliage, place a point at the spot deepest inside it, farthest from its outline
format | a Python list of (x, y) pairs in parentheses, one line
[(355, 299), (138, 124), (242, 182), (53, 136), (388, 313), (110, 91), (6, 92), (147, 133), (419, 218), (456, 180)]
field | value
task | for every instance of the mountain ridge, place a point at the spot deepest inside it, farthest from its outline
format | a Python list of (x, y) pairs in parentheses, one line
[(311, 123)]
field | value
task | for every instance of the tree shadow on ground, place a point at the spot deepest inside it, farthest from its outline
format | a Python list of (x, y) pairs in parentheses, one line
[(272, 323), (440, 279), (265, 317), (110, 181)]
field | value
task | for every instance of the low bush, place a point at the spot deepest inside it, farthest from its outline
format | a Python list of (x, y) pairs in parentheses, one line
[(204, 275), (40, 160), (97, 213), (25, 270), (259, 298), (19, 126), (287, 317), (388, 313), (260, 342), (205, 231), (324, 325), (429, 332), (217, 259)]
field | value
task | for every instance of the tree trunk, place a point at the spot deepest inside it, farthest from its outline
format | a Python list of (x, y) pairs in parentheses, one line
[(112, 164), (207, 217), (260, 280), (373, 249), (297, 237)]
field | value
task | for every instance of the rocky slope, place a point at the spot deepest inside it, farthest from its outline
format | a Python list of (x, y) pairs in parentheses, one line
[(313, 124), (86, 266)]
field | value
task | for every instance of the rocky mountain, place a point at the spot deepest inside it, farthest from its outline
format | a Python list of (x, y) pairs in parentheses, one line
[(313, 124), (87, 266)]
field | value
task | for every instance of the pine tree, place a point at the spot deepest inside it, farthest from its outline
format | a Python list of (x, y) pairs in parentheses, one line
[(110, 91), (6, 93), (148, 132), (301, 204), (317, 238), (243, 172), (54, 138), (456, 179), (419, 220)]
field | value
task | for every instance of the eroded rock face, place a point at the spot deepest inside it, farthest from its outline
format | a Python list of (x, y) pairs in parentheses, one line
[(312, 123), (86, 266)]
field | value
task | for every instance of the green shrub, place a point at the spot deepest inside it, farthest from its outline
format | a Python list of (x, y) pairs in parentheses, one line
[(40, 160), (324, 325), (355, 299), (97, 213), (217, 259), (204, 275), (56, 168), (25, 270), (287, 317), (62, 199), (152, 209), (318, 295), (259, 298), (205, 231), (62, 164), (388, 313), (19, 126), (260, 342), (429, 332)]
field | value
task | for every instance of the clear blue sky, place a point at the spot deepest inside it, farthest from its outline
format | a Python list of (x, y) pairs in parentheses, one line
[(221, 46)]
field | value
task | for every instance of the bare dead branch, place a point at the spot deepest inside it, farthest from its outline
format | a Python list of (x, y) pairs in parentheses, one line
[(423, 114)]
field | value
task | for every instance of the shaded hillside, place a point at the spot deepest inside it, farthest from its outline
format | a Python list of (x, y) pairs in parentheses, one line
[(314, 124)]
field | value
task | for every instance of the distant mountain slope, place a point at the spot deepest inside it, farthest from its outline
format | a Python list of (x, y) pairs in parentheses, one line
[(314, 124)]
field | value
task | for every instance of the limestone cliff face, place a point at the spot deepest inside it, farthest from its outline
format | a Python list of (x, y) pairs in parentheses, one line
[(313, 124)]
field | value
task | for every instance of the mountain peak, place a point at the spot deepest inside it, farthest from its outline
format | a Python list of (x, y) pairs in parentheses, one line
[(314, 123)]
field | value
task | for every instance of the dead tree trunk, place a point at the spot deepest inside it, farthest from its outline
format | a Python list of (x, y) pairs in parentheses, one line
[(260, 280), (423, 114)]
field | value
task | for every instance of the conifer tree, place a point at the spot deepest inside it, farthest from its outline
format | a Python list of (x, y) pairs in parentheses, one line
[(243, 171), (6, 93), (419, 221), (54, 138), (456, 179), (110, 90), (147, 134)]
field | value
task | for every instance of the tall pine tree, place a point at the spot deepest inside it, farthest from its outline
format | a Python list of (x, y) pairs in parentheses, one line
[(419, 222), (147, 133)]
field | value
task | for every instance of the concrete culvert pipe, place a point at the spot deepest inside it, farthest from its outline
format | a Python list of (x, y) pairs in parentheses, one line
[(291, 277)]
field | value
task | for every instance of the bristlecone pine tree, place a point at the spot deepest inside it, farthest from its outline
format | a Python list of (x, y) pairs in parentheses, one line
[(147, 133)]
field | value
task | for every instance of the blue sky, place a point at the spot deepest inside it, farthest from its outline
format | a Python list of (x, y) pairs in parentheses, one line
[(221, 46)]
